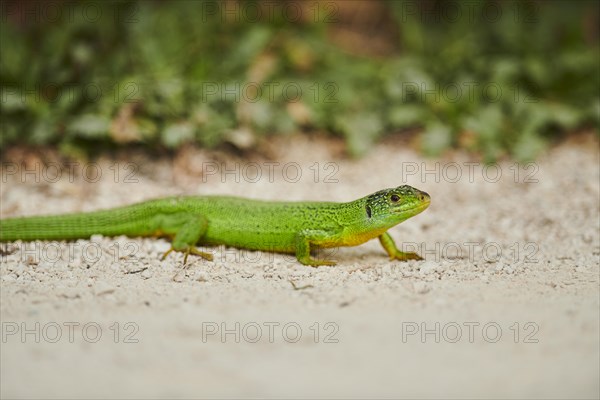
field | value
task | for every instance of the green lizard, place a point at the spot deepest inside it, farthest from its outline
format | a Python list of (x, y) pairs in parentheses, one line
[(286, 227)]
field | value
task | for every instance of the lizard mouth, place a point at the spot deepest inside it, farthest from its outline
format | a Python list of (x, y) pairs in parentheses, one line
[(425, 201)]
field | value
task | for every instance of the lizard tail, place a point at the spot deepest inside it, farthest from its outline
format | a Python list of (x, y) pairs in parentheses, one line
[(131, 220)]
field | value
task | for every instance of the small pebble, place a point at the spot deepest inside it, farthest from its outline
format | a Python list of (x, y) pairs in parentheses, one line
[(202, 277), (101, 288), (15, 266), (358, 275), (440, 302), (407, 273), (581, 268), (428, 267), (147, 273), (179, 277), (160, 246), (96, 238), (68, 292), (421, 287), (32, 260), (115, 266)]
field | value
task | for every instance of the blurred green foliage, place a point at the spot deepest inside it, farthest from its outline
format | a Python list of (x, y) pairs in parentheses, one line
[(167, 73)]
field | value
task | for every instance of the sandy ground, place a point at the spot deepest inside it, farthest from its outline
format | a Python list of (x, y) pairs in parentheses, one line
[(506, 304)]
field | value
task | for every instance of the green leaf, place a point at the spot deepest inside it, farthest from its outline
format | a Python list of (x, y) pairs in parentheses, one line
[(176, 134), (361, 131), (436, 138), (529, 144), (90, 126), (406, 116)]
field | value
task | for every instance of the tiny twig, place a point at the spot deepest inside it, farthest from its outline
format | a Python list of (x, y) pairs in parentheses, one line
[(299, 287), (137, 271)]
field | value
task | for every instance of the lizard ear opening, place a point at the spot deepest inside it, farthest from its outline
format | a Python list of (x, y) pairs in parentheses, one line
[(368, 211)]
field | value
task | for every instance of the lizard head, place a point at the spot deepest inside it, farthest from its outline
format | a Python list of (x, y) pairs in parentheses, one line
[(392, 206)]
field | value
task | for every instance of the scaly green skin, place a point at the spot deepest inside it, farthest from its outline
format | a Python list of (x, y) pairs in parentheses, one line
[(286, 227)]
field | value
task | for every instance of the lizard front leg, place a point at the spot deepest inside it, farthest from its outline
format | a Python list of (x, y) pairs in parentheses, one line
[(390, 247), (304, 239)]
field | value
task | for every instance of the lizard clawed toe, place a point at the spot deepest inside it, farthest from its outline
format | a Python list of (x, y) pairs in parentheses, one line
[(187, 251)]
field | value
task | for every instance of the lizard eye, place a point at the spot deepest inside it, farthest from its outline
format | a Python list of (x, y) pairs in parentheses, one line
[(395, 198)]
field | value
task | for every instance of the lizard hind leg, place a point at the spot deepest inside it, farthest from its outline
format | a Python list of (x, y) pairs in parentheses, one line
[(188, 250), (187, 230)]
